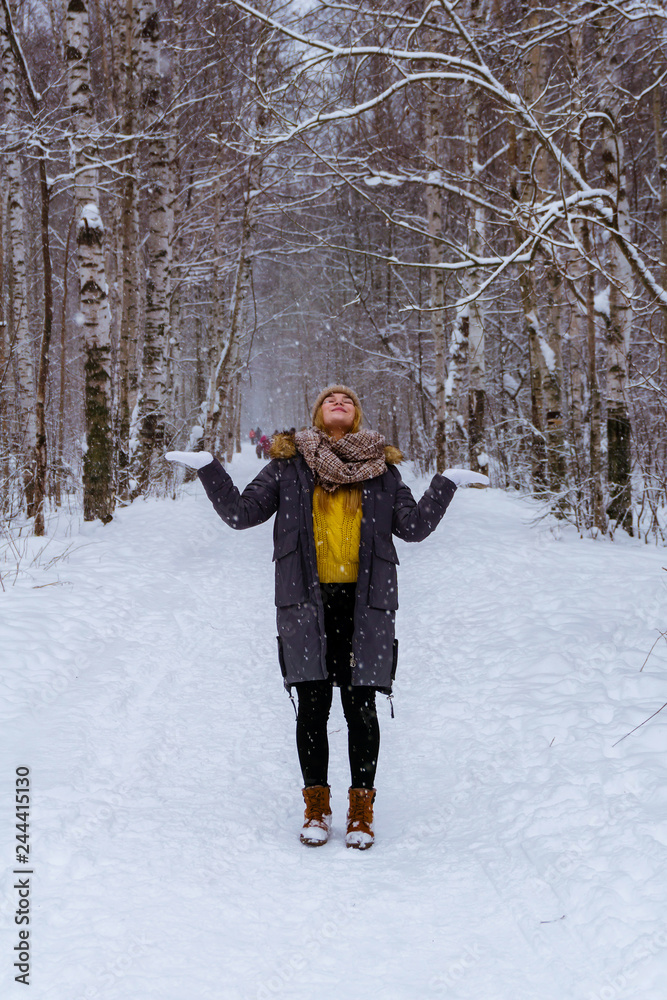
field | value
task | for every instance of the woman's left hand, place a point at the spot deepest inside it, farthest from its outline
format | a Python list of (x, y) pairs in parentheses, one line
[(193, 459), (464, 477)]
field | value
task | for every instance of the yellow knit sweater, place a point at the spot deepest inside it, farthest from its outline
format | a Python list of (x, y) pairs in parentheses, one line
[(337, 536)]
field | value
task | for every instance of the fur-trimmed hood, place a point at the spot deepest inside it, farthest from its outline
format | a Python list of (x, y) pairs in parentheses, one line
[(284, 446)]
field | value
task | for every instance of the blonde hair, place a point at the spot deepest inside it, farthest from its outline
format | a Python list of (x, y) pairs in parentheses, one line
[(351, 502)]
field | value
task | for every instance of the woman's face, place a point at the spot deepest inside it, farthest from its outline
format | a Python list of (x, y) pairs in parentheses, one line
[(338, 414)]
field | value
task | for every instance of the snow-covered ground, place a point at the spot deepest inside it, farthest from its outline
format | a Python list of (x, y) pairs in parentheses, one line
[(521, 850)]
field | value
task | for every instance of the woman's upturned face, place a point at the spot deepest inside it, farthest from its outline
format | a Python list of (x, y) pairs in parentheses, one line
[(338, 414)]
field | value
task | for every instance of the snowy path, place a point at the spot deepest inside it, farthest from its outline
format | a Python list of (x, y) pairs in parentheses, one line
[(519, 854)]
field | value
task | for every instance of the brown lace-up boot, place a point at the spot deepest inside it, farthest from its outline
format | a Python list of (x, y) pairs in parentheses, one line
[(317, 819), (360, 819)]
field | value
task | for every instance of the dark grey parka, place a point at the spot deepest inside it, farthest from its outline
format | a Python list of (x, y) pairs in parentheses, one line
[(284, 487)]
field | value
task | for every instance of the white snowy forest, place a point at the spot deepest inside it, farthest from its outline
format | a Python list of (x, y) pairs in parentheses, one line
[(210, 210)]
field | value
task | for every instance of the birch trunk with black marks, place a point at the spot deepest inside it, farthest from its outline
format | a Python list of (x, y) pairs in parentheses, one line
[(40, 441), (519, 189), (62, 387), (662, 189), (549, 355), (522, 190), (599, 515), (231, 420), (619, 325), (619, 315), (128, 269), (474, 318), (578, 266), (589, 339), (583, 347), (152, 399), (433, 196), (209, 416), (456, 424), (577, 369), (98, 494), (175, 386), (41, 456), (20, 338), (4, 355), (531, 183), (552, 349)]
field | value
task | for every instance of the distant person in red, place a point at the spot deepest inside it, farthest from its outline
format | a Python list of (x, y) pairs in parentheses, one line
[(252, 435)]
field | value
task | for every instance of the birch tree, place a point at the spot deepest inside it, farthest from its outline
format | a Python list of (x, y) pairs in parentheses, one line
[(531, 185), (93, 289), (456, 390), (473, 319), (128, 239), (20, 339), (37, 490), (436, 305), (175, 386), (658, 127), (152, 401), (618, 315)]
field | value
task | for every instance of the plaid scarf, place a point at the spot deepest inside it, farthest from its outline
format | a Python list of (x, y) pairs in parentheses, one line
[(352, 459)]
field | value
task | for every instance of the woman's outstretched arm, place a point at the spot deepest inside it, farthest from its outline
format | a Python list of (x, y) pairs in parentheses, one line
[(414, 521), (257, 502)]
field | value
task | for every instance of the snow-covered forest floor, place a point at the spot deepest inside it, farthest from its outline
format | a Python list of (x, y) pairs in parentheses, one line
[(521, 850)]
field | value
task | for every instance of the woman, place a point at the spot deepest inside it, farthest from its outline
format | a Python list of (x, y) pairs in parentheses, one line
[(338, 498)]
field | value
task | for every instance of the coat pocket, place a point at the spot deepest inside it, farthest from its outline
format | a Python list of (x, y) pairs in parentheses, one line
[(290, 583), (383, 588), (383, 546)]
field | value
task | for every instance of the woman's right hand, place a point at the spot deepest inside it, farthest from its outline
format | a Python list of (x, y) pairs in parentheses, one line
[(193, 459), (464, 477)]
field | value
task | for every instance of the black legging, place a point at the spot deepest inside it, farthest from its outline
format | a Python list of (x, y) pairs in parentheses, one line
[(315, 699)]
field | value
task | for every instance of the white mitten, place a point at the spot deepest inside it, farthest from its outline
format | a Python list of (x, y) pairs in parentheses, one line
[(193, 459), (464, 477)]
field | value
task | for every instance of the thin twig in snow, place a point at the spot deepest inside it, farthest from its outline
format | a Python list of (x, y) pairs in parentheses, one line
[(640, 725), (663, 635)]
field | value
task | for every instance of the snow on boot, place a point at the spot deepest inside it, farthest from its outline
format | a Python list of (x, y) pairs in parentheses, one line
[(317, 819), (360, 819)]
